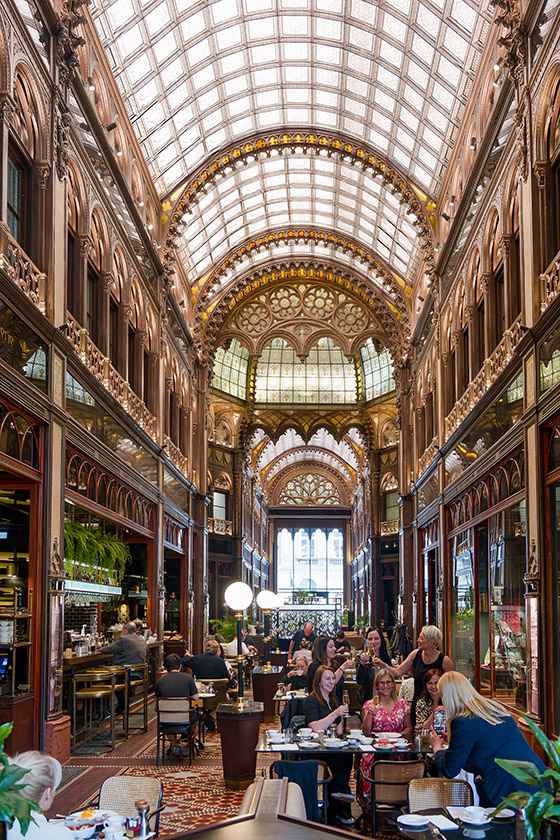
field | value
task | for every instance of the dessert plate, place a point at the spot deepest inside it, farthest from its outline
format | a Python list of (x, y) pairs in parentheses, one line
[(413, 820)]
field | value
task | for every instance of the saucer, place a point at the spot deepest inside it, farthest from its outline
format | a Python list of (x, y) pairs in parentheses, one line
[(413, 820), (308, 745), (505, 814), (478, 824)]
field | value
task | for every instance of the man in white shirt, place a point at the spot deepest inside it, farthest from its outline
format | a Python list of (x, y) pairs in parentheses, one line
[(230, 648)]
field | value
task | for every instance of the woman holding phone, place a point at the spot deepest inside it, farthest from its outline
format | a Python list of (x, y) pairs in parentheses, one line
[(429, 700)]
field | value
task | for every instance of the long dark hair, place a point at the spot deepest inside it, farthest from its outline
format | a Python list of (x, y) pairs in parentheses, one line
[(383, 652), (319, 651), (433, 672), (316, 692)]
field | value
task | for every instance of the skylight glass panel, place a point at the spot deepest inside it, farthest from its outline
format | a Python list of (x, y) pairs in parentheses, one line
[(456, 45)]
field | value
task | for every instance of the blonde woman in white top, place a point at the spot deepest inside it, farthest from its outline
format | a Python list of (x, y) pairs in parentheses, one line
[(40, 784)]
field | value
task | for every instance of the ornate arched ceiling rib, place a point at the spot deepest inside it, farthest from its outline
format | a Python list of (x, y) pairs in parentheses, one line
[(342, 187), (321, 440), (306, 422), (302, 242), (216, 325)]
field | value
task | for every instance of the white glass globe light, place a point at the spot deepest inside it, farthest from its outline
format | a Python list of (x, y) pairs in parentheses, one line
[(238, 596), (266, 599), (279, 601)]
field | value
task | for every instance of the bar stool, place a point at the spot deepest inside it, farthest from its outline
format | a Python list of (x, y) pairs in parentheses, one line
[(120, 677), (90, 687), (142, 669)]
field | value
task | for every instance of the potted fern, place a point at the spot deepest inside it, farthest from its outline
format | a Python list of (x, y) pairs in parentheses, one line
[(13, 806), (542, 801)]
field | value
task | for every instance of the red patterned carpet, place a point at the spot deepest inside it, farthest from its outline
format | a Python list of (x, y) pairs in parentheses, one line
[(194, 796)]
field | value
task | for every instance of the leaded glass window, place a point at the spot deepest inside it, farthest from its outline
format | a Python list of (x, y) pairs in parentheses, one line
[(377, 369), (325, 377), (230, 369), (310, 560)]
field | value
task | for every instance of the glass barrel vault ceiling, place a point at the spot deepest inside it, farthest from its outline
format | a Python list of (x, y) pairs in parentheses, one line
[(200, 76)]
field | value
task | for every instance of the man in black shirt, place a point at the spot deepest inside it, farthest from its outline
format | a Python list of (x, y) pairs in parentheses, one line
[(175, 684), (305, 633), (208, 665)]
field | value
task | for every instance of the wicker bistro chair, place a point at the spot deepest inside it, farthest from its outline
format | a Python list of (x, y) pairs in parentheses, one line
[(324, 776), (119, 793), (389, 782), (175, 716), (438, 793)]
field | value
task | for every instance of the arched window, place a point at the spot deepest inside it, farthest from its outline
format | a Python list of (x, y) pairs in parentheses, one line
[(498, 321), (377, 367), (94, 296), (478, 337), (74, 294), (21, 155), (553, 206)]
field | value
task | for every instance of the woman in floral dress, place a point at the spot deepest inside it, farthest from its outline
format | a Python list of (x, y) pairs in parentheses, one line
[(389, 714)]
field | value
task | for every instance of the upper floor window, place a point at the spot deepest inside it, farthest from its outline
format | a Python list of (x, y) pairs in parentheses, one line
[(230, 369), (219, 505), (378, 370), (324, 377)]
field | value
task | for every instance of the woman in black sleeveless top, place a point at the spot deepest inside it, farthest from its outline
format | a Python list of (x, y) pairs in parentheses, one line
[(427, 655)]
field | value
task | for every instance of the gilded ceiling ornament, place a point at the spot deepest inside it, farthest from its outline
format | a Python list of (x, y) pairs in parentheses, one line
[(351, 318), (284, 302), (319, 302), (253, 318)]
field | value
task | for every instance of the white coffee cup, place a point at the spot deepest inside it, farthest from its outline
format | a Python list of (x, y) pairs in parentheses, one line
[(475, 813), (355, 733), (275, 737), (305, 732)]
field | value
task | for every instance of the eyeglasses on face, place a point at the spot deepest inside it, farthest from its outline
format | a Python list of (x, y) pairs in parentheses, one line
[(386, 682)]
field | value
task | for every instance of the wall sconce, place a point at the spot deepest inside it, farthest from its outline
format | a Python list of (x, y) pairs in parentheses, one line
[(496, 82), (111, 126), (90, 83), (436, 247), (472, 144), (118, 150), (498, 64), (446, 217), (139, 201), (452, 201), (150, 226)]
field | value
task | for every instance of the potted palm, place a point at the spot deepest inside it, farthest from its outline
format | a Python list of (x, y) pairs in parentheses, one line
[(542, 801), (12, 804)]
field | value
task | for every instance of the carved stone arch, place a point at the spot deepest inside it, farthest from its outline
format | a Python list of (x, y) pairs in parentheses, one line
[(121, 285), (491, 229), (474, 272), (78, 216), (546, 113), (376, 335), (224, 422), (294, 474), (446, 329), (100, 239), (389, 433), (487, 100), (292, 141), (224, 481), (389, 483), (34, 113), (336, 337), (5, 60)]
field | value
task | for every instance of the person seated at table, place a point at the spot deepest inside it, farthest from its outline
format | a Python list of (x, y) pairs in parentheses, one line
[(428, 654), (296, 679), (322, 710), (388, 714), (39, 785), (305, 650), (429, 700), (324, 653), (340, 643), (479, 730), (175, 683), (208, 665), (232, 679), (130, 649), (230, 648), (375, 647)]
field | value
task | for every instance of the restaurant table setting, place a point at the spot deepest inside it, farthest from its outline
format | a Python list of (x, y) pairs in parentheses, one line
[(354, 742), (105, 823), (456, 822)]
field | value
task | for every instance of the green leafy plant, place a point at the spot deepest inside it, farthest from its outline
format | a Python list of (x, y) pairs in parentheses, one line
[(13, 805), (362, 621), (224, 628), (542, 801), (91, 548)]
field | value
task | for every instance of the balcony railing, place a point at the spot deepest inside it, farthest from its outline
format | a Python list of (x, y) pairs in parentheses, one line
[(220, 526), (21, 270), (427, 456), (389, 527), (486, 376), (179, 461), (109, 376), (550, 283)]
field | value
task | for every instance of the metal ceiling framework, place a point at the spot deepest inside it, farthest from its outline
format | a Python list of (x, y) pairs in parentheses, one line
[(323, 126)]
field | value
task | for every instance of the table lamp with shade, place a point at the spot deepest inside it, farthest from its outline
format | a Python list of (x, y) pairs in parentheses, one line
[(238, 596), (267, 602)]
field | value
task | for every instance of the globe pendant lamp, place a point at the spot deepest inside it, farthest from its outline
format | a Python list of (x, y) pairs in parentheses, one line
[(238, 596), (267, 602)]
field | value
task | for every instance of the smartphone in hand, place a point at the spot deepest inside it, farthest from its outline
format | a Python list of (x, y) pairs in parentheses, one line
[(439, 722)]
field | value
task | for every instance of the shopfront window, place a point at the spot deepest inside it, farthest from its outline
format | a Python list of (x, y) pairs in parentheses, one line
[(554, 528), (508, 552), (462, 610)]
